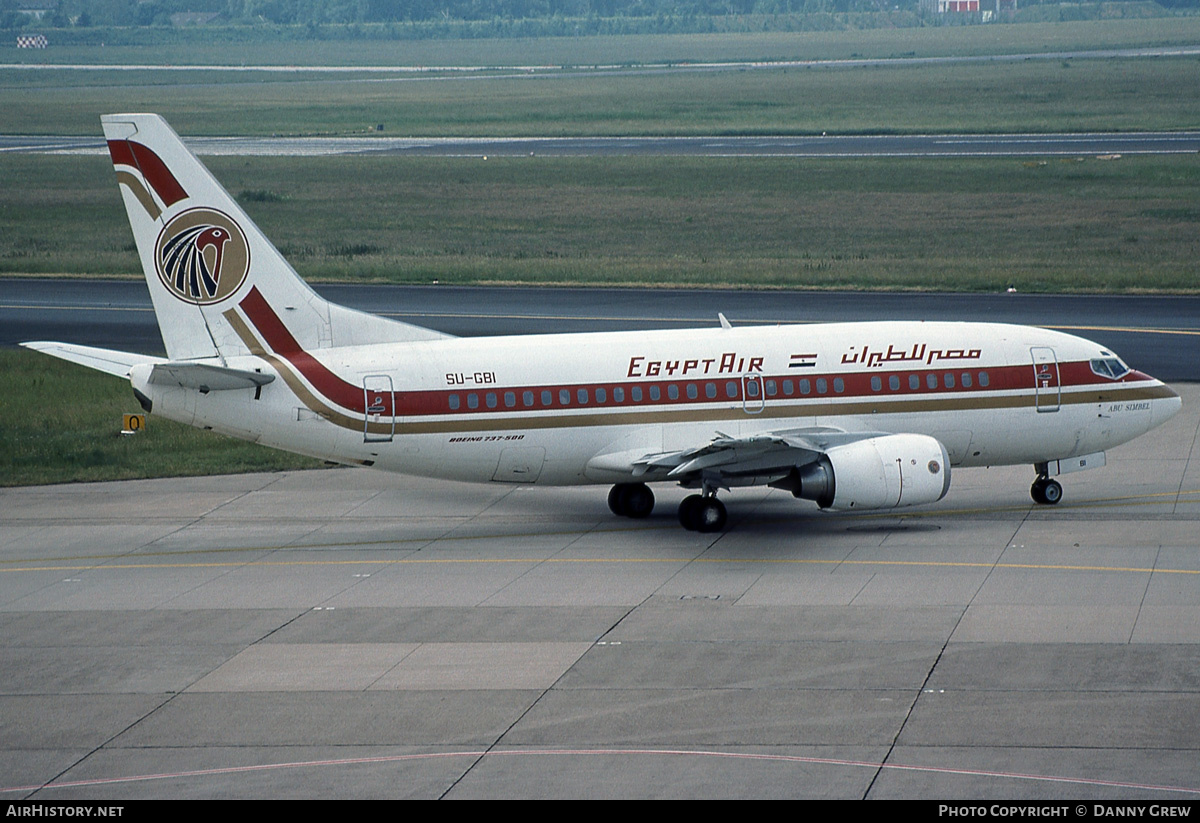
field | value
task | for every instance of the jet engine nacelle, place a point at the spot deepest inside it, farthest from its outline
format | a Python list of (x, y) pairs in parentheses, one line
[(877, 473)]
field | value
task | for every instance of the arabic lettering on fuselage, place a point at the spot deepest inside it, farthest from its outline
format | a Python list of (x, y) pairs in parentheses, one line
[(919, 353)]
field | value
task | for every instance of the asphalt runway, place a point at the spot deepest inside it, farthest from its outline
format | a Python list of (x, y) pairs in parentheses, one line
[(344, 633), (1159, 335), (893, 145)]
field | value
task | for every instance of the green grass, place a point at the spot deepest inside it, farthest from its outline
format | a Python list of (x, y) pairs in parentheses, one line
[(61, 423), (1027, 96), (1110, 94), (208, 48), (946, 224)]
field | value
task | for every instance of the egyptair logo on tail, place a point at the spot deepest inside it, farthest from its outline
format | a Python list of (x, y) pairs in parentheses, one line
[(202, 256)]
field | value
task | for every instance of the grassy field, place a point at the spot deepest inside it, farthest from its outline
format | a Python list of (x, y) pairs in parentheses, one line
[(947, 41), (61, 423), (1028, 96), (1109, 94), (1077, 224)]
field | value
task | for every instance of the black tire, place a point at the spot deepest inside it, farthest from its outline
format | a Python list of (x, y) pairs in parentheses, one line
[(711, 515), (689, 512), (637, 500), (614, 500), (1036, 491)]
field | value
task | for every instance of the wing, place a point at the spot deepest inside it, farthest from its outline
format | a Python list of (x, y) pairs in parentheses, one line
[(747, 461)]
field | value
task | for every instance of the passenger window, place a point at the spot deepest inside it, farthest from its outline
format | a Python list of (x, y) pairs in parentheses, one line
[(636, 394), (710, 390), (673, 392), (914, 382), (822, 386), (983, 378), (618, 395), (894, 383), (788, 388), (772, 390), (564, 397), (472, 401), (601, 396), (547, 398), (805, 387), (491, 400), (876, 383), (510, 399), (582, 395), (527, 397), (454, 402), (655, 393), (966, 380), (731, 389), (948, 380), (692, 391), (931, 381), (839, 385)]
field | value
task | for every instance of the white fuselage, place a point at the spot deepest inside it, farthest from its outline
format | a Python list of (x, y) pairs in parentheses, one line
[(542, 409)]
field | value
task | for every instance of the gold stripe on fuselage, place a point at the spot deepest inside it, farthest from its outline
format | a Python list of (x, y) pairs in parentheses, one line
[(619, 416)]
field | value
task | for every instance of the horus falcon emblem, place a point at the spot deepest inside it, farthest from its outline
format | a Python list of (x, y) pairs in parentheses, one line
[(189, 266), (202, 256)]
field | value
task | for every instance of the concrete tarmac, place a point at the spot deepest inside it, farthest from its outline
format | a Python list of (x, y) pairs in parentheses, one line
[(344, 633)]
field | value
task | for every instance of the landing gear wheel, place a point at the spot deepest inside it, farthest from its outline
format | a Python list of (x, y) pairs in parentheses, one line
[(712, 515), (1052, 492), (631, 500), (689, 508), (702, 514), (1045, 491), (614, 500)]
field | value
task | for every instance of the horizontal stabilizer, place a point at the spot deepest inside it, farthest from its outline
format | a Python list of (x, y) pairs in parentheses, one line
[(207, 378), (108, 361)]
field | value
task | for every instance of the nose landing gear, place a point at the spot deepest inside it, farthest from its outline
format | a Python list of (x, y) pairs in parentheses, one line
[(1045, 491)]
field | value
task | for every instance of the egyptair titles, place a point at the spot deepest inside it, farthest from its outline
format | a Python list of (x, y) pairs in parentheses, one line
[(727, 363)]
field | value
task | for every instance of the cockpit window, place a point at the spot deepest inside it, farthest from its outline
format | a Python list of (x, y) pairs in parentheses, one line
[(1110, 367)]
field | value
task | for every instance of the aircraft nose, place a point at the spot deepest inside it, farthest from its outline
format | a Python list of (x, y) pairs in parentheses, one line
[(1165, 407)]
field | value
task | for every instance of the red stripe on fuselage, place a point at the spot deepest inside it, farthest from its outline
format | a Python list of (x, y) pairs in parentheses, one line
[(280, 340), (154, 170), (857, 385)]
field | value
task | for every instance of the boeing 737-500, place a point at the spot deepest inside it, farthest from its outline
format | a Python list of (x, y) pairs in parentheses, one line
[(853, 416)]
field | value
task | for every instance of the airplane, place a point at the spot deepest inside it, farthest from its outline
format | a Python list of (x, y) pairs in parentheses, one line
[(854, 416)]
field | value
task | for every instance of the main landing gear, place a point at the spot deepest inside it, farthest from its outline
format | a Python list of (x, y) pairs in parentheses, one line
[(631, 500), (702, 512), (697, 513), (1045, 491)]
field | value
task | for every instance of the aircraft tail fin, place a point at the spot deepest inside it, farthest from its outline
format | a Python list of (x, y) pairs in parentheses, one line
[(219, 287)]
